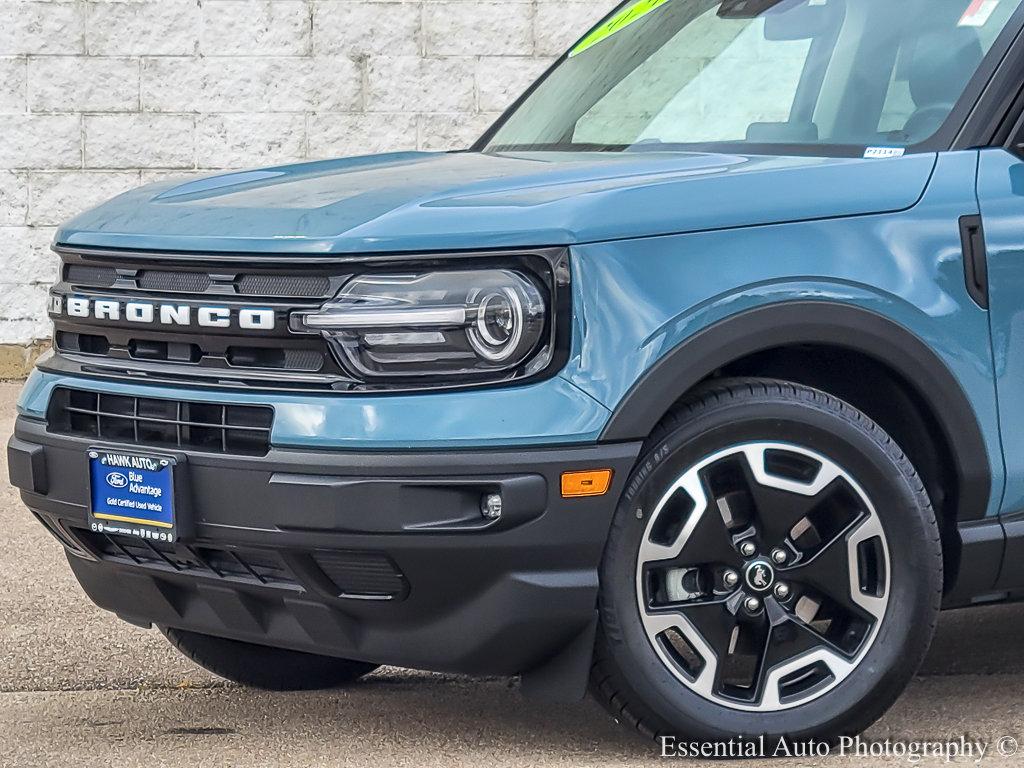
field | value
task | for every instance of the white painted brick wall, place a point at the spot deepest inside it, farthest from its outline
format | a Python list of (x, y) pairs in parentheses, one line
[(99, 96)]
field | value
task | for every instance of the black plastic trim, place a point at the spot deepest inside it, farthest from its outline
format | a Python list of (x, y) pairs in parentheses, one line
[(1011, 575), (817, 322), (972, 240), (981, 557), (26, 464), (507, 597), (999, 104)]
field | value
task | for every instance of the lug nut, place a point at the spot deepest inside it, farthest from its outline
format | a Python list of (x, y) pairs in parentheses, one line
[(781, 591), (730, 578), (752, 604), (747, 549), (779, 555)]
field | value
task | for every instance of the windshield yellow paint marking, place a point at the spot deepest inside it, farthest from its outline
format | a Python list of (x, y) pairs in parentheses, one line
[(617, 23)]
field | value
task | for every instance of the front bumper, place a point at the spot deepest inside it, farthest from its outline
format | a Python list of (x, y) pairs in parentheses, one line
[(380, 557)]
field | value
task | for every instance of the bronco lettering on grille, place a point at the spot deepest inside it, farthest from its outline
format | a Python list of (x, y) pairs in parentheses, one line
[(144, 312)]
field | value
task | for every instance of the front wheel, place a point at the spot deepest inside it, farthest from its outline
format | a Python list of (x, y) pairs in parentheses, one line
[(774, 569)]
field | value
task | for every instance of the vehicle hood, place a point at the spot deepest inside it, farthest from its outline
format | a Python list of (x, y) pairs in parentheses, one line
[(419, 201)]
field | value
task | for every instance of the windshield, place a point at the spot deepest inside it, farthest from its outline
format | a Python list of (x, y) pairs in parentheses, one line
[(864, 76)]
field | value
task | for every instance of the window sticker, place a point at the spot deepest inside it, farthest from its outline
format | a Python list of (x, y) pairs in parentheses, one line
[(617, 23), (878, 153), (978, 13)]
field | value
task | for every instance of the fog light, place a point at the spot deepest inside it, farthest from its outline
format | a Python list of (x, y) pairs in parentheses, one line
[(491, 506), (593, 482)]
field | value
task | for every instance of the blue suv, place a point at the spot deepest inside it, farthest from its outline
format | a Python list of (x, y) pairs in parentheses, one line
[(696, 380)]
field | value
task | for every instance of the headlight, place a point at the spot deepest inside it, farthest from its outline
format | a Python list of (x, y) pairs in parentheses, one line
[(469, 324)]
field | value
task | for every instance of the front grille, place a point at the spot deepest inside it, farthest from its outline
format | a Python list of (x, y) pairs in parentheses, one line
[(219, 279), (211, 427), (206, 350), (265, 568), (229, 321), (306, 286), (174, 352), (174, 282), (83, 275)]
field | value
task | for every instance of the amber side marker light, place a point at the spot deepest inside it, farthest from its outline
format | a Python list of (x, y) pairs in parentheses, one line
[(593, 482)]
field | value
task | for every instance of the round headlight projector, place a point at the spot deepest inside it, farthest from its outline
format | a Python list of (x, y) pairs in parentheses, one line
[(499, 324)]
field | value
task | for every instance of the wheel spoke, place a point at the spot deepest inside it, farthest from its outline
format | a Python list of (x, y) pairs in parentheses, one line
[(706, 625), (778, 511), (714, 620), (704, 538), (709, 542), (790, 637), (789, 641), (780, 503), (832, 571)]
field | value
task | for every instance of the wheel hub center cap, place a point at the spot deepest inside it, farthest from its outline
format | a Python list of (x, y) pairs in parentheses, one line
[(759, 575)]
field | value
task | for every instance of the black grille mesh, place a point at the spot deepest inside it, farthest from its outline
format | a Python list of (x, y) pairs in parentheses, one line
[(358, 573), (271, 285), (211, 427), (100, 277), (301, 286), (174, 282), (278, 358)]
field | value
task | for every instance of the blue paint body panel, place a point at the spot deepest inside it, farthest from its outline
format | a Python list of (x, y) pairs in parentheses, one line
[(1001, 194), (422, 202), (663, 245), (549, 413)]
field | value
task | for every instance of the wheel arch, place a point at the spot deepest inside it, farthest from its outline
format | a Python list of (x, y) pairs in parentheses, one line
[(743, 344)]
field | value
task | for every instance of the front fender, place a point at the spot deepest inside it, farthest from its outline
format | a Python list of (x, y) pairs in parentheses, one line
[(657, 315), (821, 322)]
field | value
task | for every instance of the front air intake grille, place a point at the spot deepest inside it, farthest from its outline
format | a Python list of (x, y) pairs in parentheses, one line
[(298, 359), (83, 274), (211, 427), (220, 280), (173, 282), (361, 574), (305, 286), (357, 574), (265, 568)]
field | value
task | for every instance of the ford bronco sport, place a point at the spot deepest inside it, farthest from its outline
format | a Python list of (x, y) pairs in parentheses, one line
[(697, 379)]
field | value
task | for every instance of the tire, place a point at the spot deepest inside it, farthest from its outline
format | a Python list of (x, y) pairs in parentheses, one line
[(260, 666), (880, 613)]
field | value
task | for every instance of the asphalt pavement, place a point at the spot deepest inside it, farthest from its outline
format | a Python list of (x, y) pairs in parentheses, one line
[(80, 688)]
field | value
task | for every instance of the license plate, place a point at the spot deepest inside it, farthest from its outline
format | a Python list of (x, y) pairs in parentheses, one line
[(132, 494)]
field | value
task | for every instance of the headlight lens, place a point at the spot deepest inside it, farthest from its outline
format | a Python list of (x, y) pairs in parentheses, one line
[(500, 320), (470, 324)]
